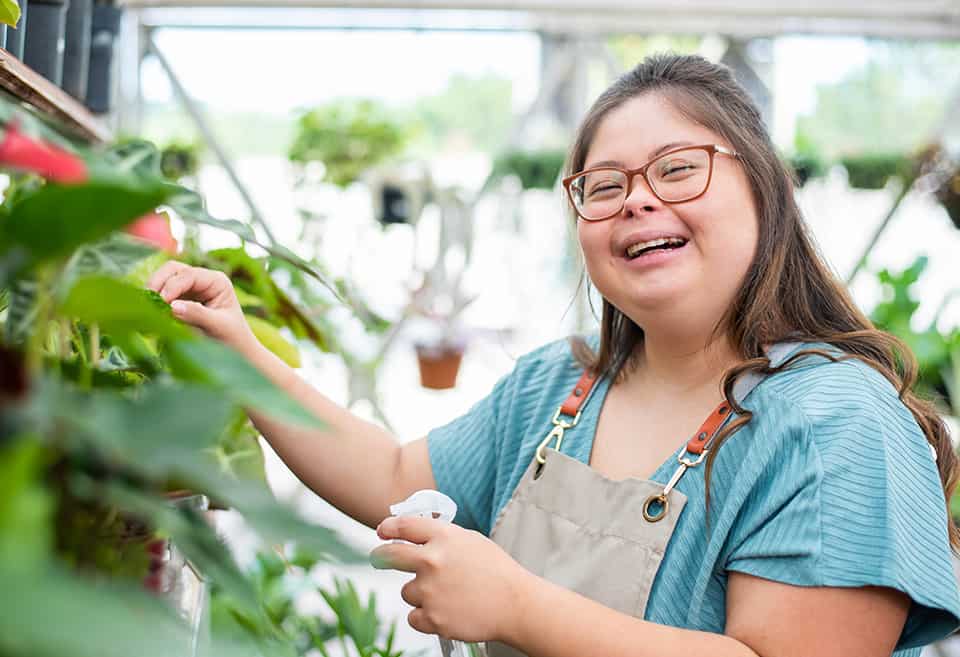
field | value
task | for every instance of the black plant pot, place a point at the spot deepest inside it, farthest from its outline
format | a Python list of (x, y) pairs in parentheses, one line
[(76, 55), (15, 34), (44, 43), (104, 31)]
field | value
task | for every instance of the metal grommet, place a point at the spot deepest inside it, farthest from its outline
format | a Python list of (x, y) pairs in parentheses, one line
[(702, 436), (578, 392), (660, 499), (723, 410)]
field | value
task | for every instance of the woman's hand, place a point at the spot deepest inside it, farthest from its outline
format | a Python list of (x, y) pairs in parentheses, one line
[(204, 298), (466, 587)]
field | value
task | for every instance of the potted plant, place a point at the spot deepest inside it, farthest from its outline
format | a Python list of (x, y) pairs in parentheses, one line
[(105, 28), (15, 22), (42, 49), (76, 55), (440, 339), (108, 405)]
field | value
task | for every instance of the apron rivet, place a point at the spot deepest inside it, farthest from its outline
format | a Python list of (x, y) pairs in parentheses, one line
[(578, 392), (723, 410), (702, 436)]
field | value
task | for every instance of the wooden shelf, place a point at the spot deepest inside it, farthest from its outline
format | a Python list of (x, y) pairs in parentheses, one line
[(50, 100)]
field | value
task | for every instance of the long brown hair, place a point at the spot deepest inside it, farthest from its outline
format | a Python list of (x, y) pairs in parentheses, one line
[(788, 293)]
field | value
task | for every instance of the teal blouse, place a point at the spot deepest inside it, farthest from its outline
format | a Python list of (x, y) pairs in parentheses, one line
[(832, 483)]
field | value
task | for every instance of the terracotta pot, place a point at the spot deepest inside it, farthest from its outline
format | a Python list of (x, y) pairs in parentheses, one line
[(439, 366)]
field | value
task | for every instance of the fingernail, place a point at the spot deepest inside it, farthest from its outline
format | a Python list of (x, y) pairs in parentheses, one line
[(178, 307)]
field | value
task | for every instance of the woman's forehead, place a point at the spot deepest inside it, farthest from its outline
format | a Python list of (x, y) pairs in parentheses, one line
[(640, 129)]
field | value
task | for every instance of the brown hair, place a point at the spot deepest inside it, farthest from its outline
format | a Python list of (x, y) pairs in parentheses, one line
[(788, 293)]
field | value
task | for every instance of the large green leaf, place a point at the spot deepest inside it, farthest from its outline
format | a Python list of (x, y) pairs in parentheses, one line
[(25, 507), (212, 363), (189, 206), (53, 221), (9, 12), (121, 309), (52, 613), (165, 433)]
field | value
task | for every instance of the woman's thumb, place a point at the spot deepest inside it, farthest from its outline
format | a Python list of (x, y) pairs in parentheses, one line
[(193, 313)]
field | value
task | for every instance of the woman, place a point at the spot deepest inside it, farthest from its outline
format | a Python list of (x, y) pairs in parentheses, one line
[(805, 515)]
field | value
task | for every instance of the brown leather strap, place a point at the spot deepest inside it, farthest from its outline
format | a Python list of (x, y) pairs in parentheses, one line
[(579, 394), (702, 437), (696, 445)]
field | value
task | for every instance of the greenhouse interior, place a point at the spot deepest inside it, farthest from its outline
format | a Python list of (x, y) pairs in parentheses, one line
[(388, 189)]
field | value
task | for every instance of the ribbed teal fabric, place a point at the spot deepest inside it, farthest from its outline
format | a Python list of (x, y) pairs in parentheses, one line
[(831, 484)]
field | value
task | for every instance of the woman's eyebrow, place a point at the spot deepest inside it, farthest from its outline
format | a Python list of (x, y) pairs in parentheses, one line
[(662, 149)]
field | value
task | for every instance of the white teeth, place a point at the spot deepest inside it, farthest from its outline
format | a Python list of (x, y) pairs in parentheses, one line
[(634, 249)]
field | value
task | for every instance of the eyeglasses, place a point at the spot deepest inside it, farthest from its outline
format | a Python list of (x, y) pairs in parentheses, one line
[(677, 176)]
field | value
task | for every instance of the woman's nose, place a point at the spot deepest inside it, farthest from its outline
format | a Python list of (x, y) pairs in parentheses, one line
[(641, 198)]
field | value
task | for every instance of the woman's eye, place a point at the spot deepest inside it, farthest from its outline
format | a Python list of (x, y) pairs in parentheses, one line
[(604, 187), (675, 167)]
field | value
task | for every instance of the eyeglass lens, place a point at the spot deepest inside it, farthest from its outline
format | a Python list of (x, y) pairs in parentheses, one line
[(674, 177)]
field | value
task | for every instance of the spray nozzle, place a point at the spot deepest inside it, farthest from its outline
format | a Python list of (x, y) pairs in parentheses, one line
[(426, 504)]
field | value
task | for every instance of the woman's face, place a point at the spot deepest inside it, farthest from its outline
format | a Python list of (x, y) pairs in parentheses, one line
[(718, 231)]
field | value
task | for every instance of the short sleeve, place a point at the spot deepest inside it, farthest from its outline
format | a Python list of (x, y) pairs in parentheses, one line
[(463, 456), (853, 498)]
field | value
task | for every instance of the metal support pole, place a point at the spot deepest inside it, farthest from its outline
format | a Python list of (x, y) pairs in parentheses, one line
[(208, 136), (952, 107)]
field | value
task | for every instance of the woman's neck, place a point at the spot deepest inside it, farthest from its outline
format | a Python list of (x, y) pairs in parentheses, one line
[(683, 364)]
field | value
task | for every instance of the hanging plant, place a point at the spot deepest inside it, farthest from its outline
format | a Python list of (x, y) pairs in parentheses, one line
[(347, 137), (949, 196), (872, 171)]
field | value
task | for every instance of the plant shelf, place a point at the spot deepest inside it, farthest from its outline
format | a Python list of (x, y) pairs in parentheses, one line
[(30, 87)]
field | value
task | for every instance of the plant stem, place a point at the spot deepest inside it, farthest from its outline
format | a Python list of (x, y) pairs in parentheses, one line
[(94, 330)]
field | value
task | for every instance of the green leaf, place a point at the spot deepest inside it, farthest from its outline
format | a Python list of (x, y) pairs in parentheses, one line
[(52, 613), (212, 363), (271, 338), (53, 221), (122, 309), (9, 12), (135, 156), (25, 507), (22, 311)]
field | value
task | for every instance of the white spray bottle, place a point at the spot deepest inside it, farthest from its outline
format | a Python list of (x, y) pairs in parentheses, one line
[(436, 505)]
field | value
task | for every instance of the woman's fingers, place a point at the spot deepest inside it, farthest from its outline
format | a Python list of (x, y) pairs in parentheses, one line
[(195, 314), (165, 271)]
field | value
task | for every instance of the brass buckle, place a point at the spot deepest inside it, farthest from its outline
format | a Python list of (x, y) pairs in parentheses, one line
[(559, 426)]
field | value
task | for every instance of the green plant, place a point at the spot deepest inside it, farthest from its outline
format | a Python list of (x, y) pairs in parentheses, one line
[(936, 352), (107, 404), (179, 159), (280, 581), (806, 166), (347, 137), (535, 169), (873, 170)]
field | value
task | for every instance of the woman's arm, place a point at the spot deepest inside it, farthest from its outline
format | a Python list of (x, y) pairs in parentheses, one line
[(466, 587), (355, 465), (764, 618)]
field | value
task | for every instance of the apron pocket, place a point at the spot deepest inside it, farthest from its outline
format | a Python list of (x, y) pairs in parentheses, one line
[(614, 571)]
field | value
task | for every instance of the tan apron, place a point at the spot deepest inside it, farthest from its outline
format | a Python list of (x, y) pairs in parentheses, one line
[(600, 538)]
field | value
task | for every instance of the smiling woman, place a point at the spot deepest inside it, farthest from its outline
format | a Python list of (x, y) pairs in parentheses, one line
[(729, 361)]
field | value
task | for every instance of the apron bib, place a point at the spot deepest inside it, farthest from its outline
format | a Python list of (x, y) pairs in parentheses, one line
[(600, 538)]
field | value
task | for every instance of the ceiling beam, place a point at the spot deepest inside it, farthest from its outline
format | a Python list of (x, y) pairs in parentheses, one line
[(923, 19)]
